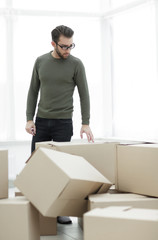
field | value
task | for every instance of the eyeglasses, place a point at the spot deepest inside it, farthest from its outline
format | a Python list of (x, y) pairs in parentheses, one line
[(66, 47)]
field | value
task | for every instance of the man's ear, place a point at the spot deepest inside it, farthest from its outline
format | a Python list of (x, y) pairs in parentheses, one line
[(53, 43)]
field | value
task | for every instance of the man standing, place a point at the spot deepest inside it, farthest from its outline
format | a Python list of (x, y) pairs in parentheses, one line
[(55, 75)]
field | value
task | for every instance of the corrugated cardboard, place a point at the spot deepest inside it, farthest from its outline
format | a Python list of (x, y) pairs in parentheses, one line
[(48, 225), (57, 183), (19, 220), (101, 155), (3, 173), (121, 223), (137, 169), (121, 199)]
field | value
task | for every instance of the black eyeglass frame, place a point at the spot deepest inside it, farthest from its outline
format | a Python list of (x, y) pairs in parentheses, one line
[(65, 47)]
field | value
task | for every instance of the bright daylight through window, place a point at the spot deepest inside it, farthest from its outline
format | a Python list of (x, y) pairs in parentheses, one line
[(116, 40)]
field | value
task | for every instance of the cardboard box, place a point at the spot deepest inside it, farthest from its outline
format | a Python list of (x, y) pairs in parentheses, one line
[(48, 225), (19, 220), (57, 183), (120, 223), (3, 173), (102, 155), (111, 190), (136, 169), (121, 199)]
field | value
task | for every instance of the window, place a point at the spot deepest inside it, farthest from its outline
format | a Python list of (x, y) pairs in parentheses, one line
[(68, 6), (4, 103), (2, 3), (120, 3), (135, 81), (29, 37), (117, 42)]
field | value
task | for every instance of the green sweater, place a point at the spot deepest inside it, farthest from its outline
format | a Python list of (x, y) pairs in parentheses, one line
[(56, 79)]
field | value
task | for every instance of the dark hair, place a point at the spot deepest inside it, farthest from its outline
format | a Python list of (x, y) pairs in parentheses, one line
[(61, 30)]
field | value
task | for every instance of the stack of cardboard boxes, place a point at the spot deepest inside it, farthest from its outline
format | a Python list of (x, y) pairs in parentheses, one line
[(132, 214), (73, 179), (18, 218), (52, 184), (57, 183), (47, 225), (132, 168)]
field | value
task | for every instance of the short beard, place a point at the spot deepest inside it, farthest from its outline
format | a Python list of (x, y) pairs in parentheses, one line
[(59, 54)]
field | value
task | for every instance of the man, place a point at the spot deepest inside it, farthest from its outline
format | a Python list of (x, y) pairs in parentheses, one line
[(55, 75)]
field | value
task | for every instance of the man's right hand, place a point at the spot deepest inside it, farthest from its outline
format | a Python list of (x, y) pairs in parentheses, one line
[(30, 128)]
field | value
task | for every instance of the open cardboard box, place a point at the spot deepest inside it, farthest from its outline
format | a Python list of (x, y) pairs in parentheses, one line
[(57, 183)]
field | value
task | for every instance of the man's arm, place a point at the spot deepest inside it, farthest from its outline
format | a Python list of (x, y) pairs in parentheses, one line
[(82, 86), (32, 101)]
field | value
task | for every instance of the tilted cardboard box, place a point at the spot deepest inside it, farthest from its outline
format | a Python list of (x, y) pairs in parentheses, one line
[(121, 199), (19, 220), (48, 225), (3, 173), (120, 223), (136, 169), (57, 183), (101, 154)]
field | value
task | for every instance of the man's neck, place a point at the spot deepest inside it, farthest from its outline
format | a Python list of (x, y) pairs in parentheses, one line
[(55, 55)]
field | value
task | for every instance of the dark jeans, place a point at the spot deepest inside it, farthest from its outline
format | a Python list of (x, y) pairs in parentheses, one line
[(58, 130)]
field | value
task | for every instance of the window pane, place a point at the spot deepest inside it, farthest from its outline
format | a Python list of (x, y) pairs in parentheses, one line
[(32, 38), (4, 98), (2, 3), (119, 3), (135, 74), (62, 5)]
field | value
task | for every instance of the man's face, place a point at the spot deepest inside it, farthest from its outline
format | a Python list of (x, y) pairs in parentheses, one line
[(63, 42)]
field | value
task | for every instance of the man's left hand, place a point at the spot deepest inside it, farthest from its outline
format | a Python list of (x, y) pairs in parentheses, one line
[(86, 129)]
